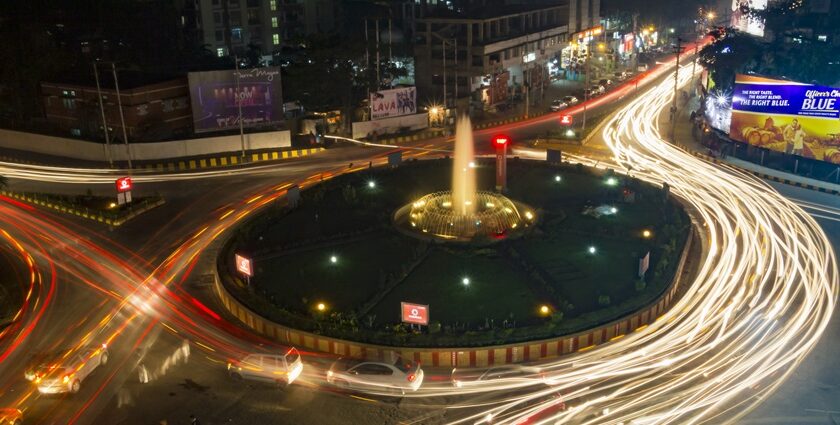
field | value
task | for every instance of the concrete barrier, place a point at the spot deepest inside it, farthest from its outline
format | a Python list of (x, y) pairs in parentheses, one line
[(90, 151), (459, 356)]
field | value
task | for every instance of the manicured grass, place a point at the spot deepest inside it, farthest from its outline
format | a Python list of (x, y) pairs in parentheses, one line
[(495, 291), (302, 279)]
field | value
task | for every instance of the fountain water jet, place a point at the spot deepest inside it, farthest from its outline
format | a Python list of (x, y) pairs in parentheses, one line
[(464, 214)]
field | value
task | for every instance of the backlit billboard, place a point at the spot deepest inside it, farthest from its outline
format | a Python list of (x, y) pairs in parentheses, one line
[(417, 314), (393, 103), (795, 118), (216, 100)]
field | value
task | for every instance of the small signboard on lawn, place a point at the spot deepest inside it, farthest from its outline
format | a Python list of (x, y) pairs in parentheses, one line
[(416, 314)]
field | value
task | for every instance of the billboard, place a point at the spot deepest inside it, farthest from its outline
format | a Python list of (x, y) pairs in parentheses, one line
[(215, 99), (417, 314), (393, 103), (790, 117)]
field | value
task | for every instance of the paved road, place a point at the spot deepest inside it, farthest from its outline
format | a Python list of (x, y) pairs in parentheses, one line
[(96, 270)]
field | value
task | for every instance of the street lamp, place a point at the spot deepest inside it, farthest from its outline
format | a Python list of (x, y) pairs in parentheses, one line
[(321, 306), (545, 310), (646, 233)]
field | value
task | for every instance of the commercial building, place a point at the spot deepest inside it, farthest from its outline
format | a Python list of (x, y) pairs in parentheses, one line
[(490, 54), (154, 108), (230, 26)]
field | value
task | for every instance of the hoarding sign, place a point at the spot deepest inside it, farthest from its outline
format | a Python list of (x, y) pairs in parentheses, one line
[(417, 314), (215, 99), (785, 116), (124, 184), (566, 120), (644, 264), (393, 103), (243, 265)]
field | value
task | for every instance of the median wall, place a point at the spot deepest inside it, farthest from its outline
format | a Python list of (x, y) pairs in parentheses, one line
[(90, 151), (464, 357)]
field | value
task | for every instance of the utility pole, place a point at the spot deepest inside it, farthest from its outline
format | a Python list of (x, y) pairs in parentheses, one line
[(378, 79), (586, 89), (239, 106), (443, 46), (677, 50), (694, 66), (104, 121), (122, 116), (455, 41), (527, 75)]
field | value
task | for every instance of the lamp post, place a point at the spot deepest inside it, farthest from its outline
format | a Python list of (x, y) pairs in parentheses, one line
[(677, 50), (122, 116), (104, 121), (239, 105)]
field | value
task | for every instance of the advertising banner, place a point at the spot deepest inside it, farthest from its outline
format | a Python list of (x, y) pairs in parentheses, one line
[(417, 314), (785, 116), (393, 103), (215, 100), (243, 265), (124, 184)]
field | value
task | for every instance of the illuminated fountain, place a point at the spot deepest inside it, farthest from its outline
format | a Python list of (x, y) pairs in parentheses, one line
[(464, 214)]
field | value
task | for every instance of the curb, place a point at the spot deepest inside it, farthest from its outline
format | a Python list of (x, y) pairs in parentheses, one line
[(226, 160), (463, 357), (97, 217), (760, 175)]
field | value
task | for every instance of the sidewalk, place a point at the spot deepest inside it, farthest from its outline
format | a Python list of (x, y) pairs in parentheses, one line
[(687, 140)]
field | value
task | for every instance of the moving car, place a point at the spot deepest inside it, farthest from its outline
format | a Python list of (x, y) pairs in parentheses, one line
[(464, 378), (69, 369), (570, 100), (558, 105), (11, 417), (276, 368), (399, 376)]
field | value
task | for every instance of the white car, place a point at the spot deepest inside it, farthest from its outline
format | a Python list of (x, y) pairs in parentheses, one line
[(275, 368), (68, 370), (558, 105), (570, 100), (465, 378), (399, 377)]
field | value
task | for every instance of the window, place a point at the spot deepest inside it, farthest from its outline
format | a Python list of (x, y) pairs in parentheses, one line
[(373, 369), (253, 16), (236, 34), (220, 52), (76, 132), (217, 18), (273, 22), (235, 19), (275, 39), (822, 38), (272, 4), (215, 3), (69, 103), (220, 36), (253, 3)]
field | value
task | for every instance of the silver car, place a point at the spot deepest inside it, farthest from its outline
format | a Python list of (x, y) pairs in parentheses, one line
[(398, 377), (461, 378), (275, 368), (67, 372), (558, 105)]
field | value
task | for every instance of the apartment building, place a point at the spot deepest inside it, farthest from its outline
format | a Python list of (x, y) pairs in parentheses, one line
[(489, 51)]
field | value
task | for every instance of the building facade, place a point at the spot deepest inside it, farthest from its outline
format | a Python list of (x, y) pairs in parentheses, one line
[(497, 52), (154, 109)]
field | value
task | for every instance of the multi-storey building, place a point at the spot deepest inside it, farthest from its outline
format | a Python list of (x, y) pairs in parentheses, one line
[(230, 26), (490, 53)]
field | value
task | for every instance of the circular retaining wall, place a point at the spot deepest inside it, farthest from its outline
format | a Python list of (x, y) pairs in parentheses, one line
[(466, 357)]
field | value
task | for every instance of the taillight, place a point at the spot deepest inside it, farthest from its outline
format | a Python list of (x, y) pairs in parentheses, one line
[(411, 377)]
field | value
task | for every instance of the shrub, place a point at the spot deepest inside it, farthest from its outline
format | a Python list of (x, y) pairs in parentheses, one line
[(640, 285), (604, 300)]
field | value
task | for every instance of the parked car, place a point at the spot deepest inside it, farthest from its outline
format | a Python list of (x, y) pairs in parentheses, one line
[(66, 372), (399, 376), (11, 417), (274, 368), (605, 82), (558, 105), (598, 89), (474, 377), (570, 100)]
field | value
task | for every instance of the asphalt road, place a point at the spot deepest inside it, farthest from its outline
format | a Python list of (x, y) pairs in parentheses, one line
[(87, 272)]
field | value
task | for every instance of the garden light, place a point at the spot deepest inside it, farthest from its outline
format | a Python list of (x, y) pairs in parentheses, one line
[(371, 184), (612, 181), (333, 259), (321, 306), (544, 310), (646, 233), (558, 179), (592, 250), (466, 281), (613, 210)]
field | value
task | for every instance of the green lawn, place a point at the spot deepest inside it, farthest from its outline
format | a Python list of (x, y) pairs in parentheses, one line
[(496, 290), (302, 279)]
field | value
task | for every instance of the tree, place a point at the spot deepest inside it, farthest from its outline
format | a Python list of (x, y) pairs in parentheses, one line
[(4, 183), (735, 53)]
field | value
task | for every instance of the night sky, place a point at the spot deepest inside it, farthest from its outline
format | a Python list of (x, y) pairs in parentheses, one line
[(654, 8)]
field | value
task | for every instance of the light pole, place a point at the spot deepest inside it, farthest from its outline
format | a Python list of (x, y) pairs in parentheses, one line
[(122, 116), (586, 83), (239, 105), (104, 121), (677, 50)]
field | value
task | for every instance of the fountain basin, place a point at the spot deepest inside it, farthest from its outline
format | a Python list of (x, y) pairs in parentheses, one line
[(492, 217)]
